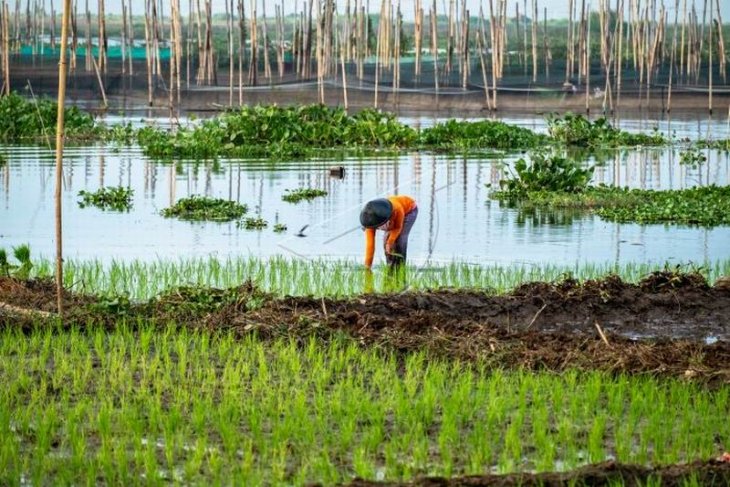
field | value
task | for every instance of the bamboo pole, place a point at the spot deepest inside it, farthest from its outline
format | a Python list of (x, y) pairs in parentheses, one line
[(148, 52), (87, 59), (481, 44), (59, 155), (229, 33), (709, 63), (265, 41), (721, 44), (534, 40), (241, 47), (569, 45), (586, 57), (253, 68), (434, 47), (546, 46), (102, 38), (124, 38), (619, 52), (6, 50), (320, 53), (344, 71), (671, 61), (418, 37), (681, 42)]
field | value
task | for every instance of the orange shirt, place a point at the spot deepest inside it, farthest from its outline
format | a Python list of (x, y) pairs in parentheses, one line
[(402, 205)]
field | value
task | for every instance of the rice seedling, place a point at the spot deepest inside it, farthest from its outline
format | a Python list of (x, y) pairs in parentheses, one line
[(142, 280), (117, 198), (280, 228), (24, 266), (302, 194), (203, 208), (155, 405)]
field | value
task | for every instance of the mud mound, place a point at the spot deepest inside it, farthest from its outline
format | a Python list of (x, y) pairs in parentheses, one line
[(711, 473), (38, 294), (668, 324)]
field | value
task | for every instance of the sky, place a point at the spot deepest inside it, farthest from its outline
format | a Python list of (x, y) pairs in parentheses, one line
[(555, 8)]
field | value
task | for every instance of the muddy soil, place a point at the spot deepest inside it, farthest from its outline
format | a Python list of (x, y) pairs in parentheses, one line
[(667, 324), (712, 473)]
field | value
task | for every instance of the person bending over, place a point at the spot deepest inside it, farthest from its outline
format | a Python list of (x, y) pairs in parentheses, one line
[(394, 215)]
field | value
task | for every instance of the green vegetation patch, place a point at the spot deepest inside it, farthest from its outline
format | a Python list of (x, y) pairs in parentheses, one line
[(546, 172), (279, 132), (301, 194), (114, 406), (23, 120), (142, 280), (706, 206), (253, 223), (116, 198), (692, 157), (577, 130), (203, 208), (462, 136)]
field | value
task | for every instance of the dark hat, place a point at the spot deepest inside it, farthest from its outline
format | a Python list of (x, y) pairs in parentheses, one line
[(376, 212)]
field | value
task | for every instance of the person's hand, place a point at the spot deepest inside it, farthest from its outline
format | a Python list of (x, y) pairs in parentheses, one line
[(388, 248)]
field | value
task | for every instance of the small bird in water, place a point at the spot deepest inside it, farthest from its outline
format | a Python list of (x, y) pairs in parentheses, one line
[(301, 232)]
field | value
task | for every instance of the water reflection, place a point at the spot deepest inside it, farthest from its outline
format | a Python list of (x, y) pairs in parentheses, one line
[(456, 221)]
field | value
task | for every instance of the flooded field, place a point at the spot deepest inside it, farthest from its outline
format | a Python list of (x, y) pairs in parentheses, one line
[(457, 221)]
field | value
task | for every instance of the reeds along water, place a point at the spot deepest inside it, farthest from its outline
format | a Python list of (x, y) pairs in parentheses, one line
[(641, 49)]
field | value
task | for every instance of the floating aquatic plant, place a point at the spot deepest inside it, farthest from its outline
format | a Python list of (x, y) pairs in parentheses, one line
[(116, 198), (301, 194), (203, 208)]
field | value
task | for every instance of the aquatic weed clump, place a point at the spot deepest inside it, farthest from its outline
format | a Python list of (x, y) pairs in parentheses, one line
[(456, 135), (279, 132), (572, 129), (116, 198), (22, 120), (203, 208), (301, 194), (546, 172), (707, 206)]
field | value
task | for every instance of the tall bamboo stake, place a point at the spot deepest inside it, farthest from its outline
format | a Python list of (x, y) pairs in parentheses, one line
[(434, 47), (481, 45), (241, 47), (148, 52), (418, 37), (586, 59), (59, 154), (229, 32), (619, 52), (709, 63), (6, 50), (569, 45), (102, 38), (671, 61), (721, 44), (533, 29)]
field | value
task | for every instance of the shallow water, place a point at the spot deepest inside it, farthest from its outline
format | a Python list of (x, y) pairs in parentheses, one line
[(456, 219)]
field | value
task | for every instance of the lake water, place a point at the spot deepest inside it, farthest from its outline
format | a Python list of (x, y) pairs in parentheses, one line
[(456, 220)]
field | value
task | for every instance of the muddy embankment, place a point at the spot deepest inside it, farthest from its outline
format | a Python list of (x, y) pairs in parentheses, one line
[(706, 473), (668, 324)]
